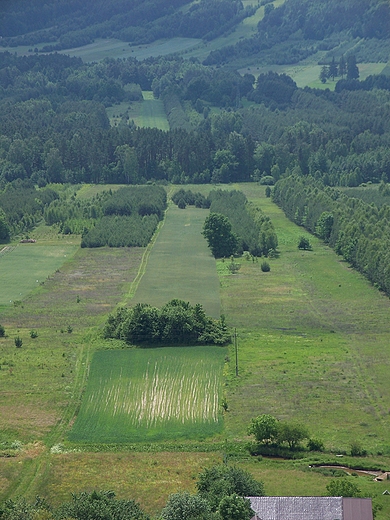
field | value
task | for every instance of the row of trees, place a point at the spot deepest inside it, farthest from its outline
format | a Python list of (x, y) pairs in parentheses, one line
[(234, 226), (177, 322), (357, 231), (340, 69)]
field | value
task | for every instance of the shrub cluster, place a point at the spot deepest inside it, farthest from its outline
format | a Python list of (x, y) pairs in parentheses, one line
[(183, 198), (177, 322)]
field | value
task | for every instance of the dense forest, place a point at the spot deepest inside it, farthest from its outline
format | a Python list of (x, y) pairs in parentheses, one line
[(54, 126)]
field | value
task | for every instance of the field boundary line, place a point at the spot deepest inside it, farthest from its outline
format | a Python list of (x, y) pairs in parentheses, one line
[(145, 257)]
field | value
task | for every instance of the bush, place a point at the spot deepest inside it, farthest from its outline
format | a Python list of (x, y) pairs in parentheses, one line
[(357, 450), (265, 267), (18, 342), (315, 445), (2, 331), (33, 334), (304, 244)]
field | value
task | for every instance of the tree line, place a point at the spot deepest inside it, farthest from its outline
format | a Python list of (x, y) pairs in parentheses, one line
[(220, 495), (356, 230)]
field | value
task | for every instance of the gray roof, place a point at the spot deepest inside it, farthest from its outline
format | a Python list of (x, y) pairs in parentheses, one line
[(311, 508)]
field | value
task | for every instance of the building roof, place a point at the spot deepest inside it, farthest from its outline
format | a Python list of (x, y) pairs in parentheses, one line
[(311, 508)]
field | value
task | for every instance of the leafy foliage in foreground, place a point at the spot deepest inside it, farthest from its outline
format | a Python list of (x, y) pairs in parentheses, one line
[(177, 322), (98, 504)]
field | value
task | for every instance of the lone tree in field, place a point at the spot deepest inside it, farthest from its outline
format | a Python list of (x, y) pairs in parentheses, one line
[(264, 428), (217, 230), (2, 331)]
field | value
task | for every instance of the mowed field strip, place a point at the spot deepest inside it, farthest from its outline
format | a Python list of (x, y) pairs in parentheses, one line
[(180, 264), (24, 266), (151, 394)]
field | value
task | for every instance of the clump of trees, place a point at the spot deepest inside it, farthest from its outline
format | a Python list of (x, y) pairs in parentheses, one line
[(97, 504), (268, 431), (177, 323), (221, 492), (184, 198), (131, 216), (234, 226)]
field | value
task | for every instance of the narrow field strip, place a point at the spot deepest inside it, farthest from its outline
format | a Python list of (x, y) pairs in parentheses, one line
[(180, 264), (151, 394)]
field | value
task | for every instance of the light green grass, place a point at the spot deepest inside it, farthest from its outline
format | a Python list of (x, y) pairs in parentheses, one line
[(24, 266), (307, 72), (149, 113), (112, 48), (180, 264), (151, 394)]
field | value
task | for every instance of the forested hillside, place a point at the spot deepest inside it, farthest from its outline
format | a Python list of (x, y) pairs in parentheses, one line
[(62, 25), (300, 28)]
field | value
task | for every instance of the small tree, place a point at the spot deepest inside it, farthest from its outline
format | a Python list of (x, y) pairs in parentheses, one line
[(18, 342), (264, 428), (324, 74), (2, 331), (217, 230), (265, 267), (304, 244), (342, 487), (268, 192), (292, 434), (234, 507), (183, 506)]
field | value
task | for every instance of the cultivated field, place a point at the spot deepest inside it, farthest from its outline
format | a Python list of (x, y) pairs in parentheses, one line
[(180, 264), (152, 394)]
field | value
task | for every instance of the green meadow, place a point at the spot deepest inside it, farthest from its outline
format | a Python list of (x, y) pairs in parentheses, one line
[(313, 342), (151, 394), (180, 264), (24, 266), (148, 113)]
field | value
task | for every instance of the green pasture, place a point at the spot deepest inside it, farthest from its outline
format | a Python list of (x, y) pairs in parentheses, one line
[(24, 266), (151, 394), (180, 264), (113, 48), (307, 72), (148, 113), (313, 342)]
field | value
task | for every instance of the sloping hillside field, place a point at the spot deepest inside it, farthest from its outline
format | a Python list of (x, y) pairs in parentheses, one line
[(151, 394)]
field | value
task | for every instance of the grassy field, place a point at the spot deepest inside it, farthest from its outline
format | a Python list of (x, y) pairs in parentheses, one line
[(313, 337), (24, 266), (180, 264), (307, 72), (148, 113), (152, 394)]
